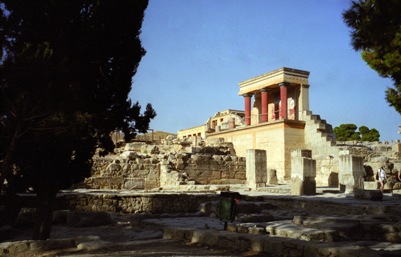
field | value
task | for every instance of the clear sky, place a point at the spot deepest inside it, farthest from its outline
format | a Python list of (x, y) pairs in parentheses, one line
[(199, 50)]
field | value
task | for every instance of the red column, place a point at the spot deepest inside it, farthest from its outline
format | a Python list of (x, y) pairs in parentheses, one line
[(264, 103), (283, 99), (247, 99)]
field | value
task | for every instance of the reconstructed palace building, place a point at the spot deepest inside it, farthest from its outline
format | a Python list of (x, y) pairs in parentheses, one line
[(276, 118)]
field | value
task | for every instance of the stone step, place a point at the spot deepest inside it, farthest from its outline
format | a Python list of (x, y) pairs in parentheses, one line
[(288, 229), (275, 190), (281, 246)]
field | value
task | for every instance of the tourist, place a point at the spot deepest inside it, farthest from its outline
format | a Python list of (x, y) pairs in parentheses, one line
[(381, 175)]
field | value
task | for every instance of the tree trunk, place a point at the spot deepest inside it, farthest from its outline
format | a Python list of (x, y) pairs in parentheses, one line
[(5, 171), (44, 216), (13, 207)]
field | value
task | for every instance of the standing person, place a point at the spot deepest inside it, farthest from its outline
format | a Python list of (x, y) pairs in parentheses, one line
[(382, 177)]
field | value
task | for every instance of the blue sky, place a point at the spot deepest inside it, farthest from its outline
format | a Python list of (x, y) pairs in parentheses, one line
[(199, 50)]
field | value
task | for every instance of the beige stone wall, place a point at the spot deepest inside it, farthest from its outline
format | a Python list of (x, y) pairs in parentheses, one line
[(146, 171), (142, 172), (277, 138), (216, 169)]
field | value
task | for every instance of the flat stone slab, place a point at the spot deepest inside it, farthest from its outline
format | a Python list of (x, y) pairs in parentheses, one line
[(375, 195), (282, 246)]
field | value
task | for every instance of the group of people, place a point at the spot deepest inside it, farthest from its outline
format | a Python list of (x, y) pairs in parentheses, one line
[(381, 176)]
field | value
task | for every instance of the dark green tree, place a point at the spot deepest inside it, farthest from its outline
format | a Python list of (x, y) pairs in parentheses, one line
[(346, 132), (376, 32), (367, 134), (65, 75)]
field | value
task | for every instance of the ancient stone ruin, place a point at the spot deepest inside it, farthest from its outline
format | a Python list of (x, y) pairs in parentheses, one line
[(178, 165), (301, 192)]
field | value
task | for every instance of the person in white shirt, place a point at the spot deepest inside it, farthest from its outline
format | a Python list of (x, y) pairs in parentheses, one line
[(382, 177)]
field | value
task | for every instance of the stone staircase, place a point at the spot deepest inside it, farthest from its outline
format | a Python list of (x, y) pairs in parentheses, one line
[(319, 135)]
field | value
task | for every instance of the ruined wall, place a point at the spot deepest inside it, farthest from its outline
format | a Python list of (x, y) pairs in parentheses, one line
[(216, 169), (147, 168), (141, 172)]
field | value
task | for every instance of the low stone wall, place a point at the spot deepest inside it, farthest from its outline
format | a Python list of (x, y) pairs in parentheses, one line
[(138, 203)]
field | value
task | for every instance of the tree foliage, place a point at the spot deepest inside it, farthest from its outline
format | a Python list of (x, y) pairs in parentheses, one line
[(65, 75), (348, 132), (376, 32)]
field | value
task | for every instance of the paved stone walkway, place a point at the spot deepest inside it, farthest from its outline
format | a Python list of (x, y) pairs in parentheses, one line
[(205, 236)]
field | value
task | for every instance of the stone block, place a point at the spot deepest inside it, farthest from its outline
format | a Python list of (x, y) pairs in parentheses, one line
[(256, 169), (309, 187), (272, 177), (296, 186), (302, 167), (135, 183), (368, 194), (301, 153), (257, 230), (136, 146), (371, 185)]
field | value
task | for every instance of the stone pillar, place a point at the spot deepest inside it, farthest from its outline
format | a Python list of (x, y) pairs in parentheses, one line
[(303, 172), (247, 99), (351, 172), (264, 103), (396, 146), (256, 169), (272, 177), (283, 100)]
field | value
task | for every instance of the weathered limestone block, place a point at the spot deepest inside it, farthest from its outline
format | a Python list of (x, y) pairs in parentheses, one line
[(112, 167), (149, 149), (371, 185), (135, 146), (303, 172), (297, 186), (172, 178), (134, 183), (272, 177), (256, 169), (352, 172), (327, 171), (130, 155)]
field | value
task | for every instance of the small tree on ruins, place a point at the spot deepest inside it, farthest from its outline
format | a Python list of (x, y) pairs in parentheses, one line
[(65, 74)]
